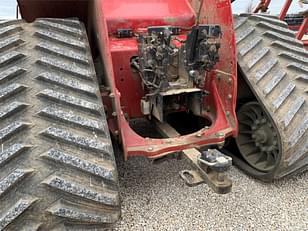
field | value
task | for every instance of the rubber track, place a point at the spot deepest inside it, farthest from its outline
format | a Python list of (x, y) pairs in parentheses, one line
[(274, 64), (57, 167)]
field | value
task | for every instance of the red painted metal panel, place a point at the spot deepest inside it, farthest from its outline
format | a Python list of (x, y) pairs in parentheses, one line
[(126, 81), (32, 9), (136, 14)]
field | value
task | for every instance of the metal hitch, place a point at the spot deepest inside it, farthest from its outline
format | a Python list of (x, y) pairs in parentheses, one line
[(211, 165)]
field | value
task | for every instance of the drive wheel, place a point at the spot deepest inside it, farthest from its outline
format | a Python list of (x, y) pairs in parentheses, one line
[(257, 140)]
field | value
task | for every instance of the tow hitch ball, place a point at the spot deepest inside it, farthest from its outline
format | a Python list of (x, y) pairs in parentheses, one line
[(211, 167)]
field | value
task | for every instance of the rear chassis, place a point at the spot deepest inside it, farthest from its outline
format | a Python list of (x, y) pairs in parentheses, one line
[(122, 98)]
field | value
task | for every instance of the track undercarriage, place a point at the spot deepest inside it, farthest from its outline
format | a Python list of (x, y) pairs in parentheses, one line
[(273, 121)]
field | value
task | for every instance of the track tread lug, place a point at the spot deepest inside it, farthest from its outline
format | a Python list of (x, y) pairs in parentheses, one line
[(278, 29), (71, 212), (11, 90), (75, 23), (251, 45), (10, 42), (273, 21), (296, 105), (69, 137), (11, 73), (10, 29), (57, 38), (103, 170), (283, 38), (274, 82), (244, 34), (59, 27), (10, 57), (12, 179), (72, 69), (283, 96), (12, 129), (70, 100), (68, 83), (258, 56), (290, 48), (12, 151), (295, 57), (15, 211), (65, 53), (264, 70), (82, 191), (298, 67), (11, 108)]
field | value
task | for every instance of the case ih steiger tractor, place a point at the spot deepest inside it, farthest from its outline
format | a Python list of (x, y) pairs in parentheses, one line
[(169, 77)]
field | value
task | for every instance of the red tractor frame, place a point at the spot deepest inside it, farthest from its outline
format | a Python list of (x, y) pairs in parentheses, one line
[(124, 93)]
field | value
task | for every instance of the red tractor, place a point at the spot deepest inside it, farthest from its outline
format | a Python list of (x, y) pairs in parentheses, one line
[(169, 77)]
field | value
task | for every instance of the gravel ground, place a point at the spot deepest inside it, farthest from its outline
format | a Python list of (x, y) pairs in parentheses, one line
[(155, 198)]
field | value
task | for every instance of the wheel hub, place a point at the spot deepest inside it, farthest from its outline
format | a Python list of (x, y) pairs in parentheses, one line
[(257, 140)]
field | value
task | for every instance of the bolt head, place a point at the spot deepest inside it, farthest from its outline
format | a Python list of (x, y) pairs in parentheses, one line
[(150, 149)]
